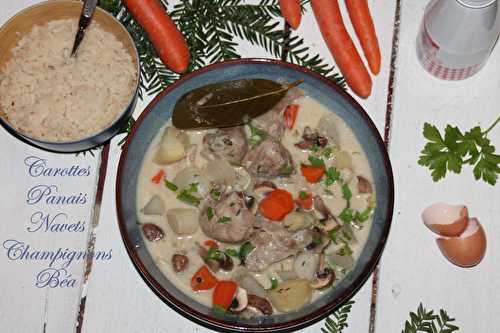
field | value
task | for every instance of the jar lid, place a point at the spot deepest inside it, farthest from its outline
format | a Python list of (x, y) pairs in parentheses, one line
[(476, 3)]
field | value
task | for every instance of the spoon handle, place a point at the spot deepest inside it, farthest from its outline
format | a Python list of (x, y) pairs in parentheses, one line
[(88, 10)]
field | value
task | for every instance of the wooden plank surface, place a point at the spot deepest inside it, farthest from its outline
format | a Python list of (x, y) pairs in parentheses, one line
[(118, 300), (413, 270), (29, 302)]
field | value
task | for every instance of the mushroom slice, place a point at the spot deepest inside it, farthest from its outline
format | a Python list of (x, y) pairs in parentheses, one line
[(225, 262), (264, 187), (152, 232), (324, 276), (214, 265), (179, 262), (319, 241), (260, 304), (329, 225), (364, 185), (240, 301), (320, 207)]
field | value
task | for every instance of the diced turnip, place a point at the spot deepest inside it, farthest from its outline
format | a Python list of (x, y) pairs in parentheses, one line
[(219, 171), (306, 265), (173, 146), (291, 295), (183, 221), (328, 127), (343, 160), (191, 175), (155, 206), (346, 262)]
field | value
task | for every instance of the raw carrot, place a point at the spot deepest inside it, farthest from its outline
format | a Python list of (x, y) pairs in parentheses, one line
[(339, 42), (291, 11), (312, 174), (290, 115), (203, 279), (224, 293), (276, 205), (158, 177), (362, 22), (211, 243), (305, 200), (163, 33)]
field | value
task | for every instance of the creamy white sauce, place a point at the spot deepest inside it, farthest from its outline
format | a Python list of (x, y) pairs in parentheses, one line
[(162, 251)]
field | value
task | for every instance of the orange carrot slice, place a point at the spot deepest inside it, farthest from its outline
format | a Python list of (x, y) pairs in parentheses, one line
[(203, 279), (276, 205)]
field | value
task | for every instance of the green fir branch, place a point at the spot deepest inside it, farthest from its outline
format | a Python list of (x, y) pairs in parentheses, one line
[(428, 322), (210, 28), (337, 322)]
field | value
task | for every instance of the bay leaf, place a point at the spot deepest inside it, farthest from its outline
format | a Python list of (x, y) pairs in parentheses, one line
[(228, 103)]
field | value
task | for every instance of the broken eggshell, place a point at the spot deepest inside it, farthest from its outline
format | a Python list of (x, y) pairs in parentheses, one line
[(468, 249), (446, 220)]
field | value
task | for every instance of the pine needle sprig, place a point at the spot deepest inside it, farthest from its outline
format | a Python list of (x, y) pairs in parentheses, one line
[(154, 75), (210, 28), (337, 322), (428, 322)]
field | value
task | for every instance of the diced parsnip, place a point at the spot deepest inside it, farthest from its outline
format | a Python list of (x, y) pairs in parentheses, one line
[(296, 221), (173, 146), (328, 127), (245, 280), (155, 206), (346, 262), (219, 171), (191, 175), (291, 295), (264, 279), (343, 160), (349, 231), (333, 248), (360, 202), (353, 185), (243, 179), (306, 265), (287, 275), (335, 203), (183, 221)]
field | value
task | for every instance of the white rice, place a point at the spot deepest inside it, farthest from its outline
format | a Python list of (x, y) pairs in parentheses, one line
[(47, 95)]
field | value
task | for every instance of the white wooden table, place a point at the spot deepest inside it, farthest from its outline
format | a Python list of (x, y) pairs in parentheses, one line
[(116, 299)]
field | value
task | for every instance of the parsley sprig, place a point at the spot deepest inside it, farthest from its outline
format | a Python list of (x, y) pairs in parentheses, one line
[(456, 149)]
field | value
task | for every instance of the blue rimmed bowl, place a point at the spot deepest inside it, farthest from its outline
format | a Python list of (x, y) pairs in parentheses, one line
[(316, 86)]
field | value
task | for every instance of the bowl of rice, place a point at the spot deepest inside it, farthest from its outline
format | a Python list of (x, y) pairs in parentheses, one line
[(58, 102)]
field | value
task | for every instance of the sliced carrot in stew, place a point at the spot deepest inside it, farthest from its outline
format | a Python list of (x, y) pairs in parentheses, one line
[(312, 174), (211, 243), (305, 200), (224, 294), (290, 115), (276, 205), (203, 279), (158, 177)]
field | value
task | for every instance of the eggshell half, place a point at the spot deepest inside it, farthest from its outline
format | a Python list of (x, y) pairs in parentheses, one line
[(468, 249), (446, 220)]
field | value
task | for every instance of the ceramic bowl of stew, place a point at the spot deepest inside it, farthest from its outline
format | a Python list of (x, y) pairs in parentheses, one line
[(335, 100)]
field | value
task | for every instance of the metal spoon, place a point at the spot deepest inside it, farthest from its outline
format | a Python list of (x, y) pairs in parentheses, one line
[(88, 10)]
